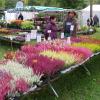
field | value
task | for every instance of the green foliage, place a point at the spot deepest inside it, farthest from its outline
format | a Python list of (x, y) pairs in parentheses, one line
[(61, 3), (84, 28), (2, 23), (13, 25), (27, 25), (58, 3), (2, 4), (10, 4)]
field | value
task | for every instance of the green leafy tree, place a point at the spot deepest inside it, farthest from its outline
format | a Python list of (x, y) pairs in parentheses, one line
[(57, 3), (2, 4), (10, 3)]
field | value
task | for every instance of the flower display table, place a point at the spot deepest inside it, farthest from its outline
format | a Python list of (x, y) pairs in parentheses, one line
[(34, 66)]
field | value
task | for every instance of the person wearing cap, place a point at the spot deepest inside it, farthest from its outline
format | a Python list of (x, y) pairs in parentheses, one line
[(70, 24)]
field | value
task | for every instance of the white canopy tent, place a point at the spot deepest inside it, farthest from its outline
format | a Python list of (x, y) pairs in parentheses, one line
[(86, 13), (9, 16)]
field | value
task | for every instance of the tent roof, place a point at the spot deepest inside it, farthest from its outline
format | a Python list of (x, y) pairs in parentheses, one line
[(42, 8), (95, 8), (37, 8)]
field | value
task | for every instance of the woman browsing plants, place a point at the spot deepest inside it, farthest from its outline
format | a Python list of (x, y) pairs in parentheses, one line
[(51, 29)]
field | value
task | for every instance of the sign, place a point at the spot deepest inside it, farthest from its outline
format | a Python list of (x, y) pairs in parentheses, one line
[(68, 40), (49, 38), (49, 31), (38, 27), (11, 38), (27, 38), (72, 28), (39, 39), (33, 34), (62, 35)]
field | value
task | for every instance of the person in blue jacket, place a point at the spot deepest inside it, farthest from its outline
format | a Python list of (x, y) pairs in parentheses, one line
[(70, 24)]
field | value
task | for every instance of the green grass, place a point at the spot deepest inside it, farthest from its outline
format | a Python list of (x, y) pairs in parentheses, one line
[(74, 86), (97, 34), (4, 49)]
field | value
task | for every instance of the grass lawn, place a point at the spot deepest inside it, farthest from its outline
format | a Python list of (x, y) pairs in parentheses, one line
[(97, 35), (74, 86)]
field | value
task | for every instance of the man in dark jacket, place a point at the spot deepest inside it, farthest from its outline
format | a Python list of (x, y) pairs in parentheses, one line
[(70, 25), (96, 20), (20, 17)]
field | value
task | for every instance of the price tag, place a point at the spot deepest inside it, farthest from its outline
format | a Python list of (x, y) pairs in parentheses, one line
[(33, 31), (68, 23), (33, 34), (38, 27), (62, 35), (49, 38), (68, 40), (49, 31), (27, 38), (39, 38), (72, 28), (11, 38)]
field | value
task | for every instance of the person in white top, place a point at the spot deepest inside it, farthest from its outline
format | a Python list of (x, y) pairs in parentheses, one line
[(20, 4)]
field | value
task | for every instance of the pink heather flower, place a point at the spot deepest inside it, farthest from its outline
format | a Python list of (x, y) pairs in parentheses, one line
[(76, 39), (21, 85), (20, 57), (78, 50)]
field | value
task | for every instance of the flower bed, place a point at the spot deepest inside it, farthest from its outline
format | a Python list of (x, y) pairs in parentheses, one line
[(26, 67)]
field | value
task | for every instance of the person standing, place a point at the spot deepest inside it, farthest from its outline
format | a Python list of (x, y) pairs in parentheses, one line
[(96, 20), (51, 29), (20, 17), (70, 24), (19, 4), (88, 22)]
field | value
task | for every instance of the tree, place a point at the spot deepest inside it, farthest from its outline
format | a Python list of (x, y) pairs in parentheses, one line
[(2, 4), (77, 4), (26, 2), (10, 4), (60, 3)]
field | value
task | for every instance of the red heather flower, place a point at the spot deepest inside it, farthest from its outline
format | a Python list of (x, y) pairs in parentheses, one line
[(44, 65), (21, 85)]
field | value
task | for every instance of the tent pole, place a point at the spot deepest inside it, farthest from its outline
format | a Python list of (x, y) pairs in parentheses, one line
[(91, 8)]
